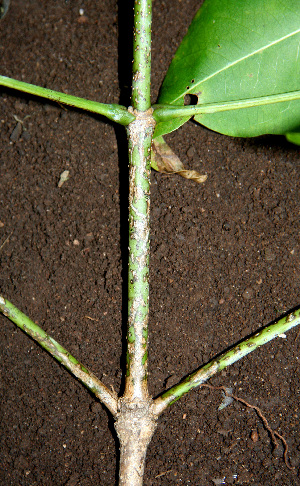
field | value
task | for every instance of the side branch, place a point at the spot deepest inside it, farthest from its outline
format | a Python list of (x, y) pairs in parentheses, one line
[(114, 112), (107, 397), (229, 357)]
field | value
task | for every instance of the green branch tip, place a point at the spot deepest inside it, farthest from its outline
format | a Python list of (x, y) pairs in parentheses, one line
[(227, 358), (114, 112), (108, 398)]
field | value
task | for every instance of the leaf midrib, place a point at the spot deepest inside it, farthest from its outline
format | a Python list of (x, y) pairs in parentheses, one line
[(234, 63)]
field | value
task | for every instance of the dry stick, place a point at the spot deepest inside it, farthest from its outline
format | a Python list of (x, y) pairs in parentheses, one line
[(163, 473), (6, 240), (273, 433)]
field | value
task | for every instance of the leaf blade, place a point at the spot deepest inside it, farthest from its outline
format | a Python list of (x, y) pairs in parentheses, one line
[(234, 51)]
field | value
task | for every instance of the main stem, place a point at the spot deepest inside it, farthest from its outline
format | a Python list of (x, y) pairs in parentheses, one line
[(139, 137), (135, 422)]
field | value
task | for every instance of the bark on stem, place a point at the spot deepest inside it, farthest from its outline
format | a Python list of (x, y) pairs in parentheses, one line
[(140, 133), (135, 427), (140, 136), (135, 422)]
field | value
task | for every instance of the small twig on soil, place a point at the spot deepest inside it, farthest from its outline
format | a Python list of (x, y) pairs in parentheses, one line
[(272, 432), (5, 241), (163, 474), (91, 318)]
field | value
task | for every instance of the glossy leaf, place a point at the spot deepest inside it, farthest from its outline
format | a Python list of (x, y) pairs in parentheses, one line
[(293, 137), (4, 4), (237, 50)]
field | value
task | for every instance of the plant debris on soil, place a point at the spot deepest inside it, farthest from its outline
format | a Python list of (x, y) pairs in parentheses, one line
[(224, 262)]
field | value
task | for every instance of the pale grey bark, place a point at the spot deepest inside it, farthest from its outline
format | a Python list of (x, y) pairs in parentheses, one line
[(135, 426)]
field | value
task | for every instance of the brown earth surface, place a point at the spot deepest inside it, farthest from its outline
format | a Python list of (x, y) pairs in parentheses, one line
[(224, 262)]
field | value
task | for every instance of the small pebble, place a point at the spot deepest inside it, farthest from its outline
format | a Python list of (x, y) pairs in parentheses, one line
[(269, 255), (89, 237), (96, 407), (254, 436), (191, 152), (219, 481), (16, 133), (248, 294), (226, 226), (64, 176)]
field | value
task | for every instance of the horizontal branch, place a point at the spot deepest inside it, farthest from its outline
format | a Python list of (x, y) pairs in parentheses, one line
[(108, 398), (114, 112), (229, 357), (167, 112)]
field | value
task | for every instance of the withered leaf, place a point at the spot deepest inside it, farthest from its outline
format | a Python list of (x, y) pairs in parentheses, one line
[(164, 160)]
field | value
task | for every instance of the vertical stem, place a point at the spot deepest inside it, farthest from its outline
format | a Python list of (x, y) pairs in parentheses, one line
[(135, 427), (141, 55), (135, 422), (140, 136)]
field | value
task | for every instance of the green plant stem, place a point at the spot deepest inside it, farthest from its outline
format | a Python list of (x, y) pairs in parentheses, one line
[(114, 112), (167, 112), (225, 359), (107, 397), (141, 69), (140, 134), (135, 422)]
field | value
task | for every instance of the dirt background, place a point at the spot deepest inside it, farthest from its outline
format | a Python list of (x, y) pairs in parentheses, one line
[(224, 261)]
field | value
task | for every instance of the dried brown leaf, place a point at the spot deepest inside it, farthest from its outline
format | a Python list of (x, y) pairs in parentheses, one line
[(164, 160)]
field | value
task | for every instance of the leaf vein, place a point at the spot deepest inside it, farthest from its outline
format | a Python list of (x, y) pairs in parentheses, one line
[(223, 69)]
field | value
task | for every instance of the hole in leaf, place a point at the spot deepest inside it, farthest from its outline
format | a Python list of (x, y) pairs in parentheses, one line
[(190, 99)]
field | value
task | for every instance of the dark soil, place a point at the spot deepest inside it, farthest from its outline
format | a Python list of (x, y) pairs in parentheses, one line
[(224, 262)]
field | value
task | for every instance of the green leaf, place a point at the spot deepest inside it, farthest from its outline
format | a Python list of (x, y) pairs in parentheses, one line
[(237, 50), (4, 4), (293, 137)]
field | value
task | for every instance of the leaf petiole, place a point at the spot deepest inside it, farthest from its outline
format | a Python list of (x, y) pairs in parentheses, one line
[(168, 112), (114, 112)]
